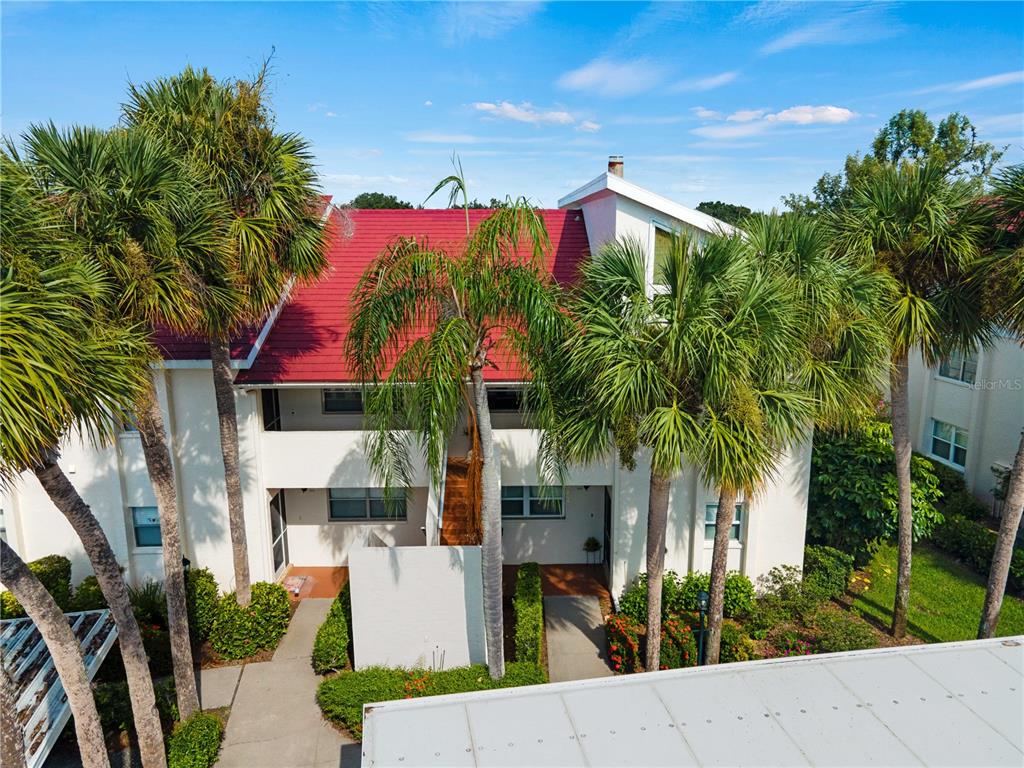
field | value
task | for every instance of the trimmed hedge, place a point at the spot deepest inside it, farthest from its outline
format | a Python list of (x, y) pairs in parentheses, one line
[(528, 604), (202, 596), (735, 644), (54, 571), (195, 742), (679, 594), (678, 646), (330, 648), (973, 544), (239, 632), (836, 631), (341, 698), (828, 569)]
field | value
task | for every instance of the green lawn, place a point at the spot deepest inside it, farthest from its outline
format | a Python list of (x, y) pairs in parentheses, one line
[(945, 597)]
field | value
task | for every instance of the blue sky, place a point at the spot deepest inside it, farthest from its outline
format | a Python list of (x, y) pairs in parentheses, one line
[(741, 102)]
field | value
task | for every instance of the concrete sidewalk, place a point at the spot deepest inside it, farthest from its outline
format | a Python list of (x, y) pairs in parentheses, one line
[(275, 721), (575, 637)]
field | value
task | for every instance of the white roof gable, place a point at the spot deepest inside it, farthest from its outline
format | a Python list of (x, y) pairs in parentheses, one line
[(609, 183)]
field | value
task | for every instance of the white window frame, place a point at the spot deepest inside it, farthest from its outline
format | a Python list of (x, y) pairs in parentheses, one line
[(134, 526), (953, 445), (530, 494), (368, 495), (323, 401), (739, 521), (655, 225), (958, 376)]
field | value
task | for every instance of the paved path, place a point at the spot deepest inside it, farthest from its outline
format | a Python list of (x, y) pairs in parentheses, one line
[(576, 640), (275, 721)]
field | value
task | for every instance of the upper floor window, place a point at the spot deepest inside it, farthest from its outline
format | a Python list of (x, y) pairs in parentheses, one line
[(662, 249), (342, 401), (365, 504), (949, 443), (710, 524), (959, 367), (271, 410), (532, 501), (146, 524), (504, 399)]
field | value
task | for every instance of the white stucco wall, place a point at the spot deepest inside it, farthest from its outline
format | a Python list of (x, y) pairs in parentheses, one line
[(411, 605), (557, 540)]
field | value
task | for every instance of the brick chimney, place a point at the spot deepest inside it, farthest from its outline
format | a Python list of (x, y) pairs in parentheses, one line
[(615, 164)]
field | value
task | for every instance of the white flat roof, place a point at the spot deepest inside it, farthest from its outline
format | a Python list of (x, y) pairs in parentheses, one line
[(609, 182), (944, 704)]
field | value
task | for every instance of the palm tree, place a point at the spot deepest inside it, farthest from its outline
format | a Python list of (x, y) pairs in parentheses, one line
[(922, 231), (267, 181), (1006, 275), (61, 368), (66, 654), (151, 232), (425, 323)]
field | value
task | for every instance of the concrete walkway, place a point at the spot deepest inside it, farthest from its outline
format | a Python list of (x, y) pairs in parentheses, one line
[(275, 721), (576, 640)]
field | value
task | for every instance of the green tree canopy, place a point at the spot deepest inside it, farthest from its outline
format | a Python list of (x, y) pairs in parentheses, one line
[(378, 201), (727, 212)]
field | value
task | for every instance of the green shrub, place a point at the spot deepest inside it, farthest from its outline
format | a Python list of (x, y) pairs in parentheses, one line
[(149, 604), (951, 481), (195, 742), (678, 647), (330, 648), (837, 631), (963, 504), (973, 543), (202, 596), (679, 595), (528, 604), (238, 632), (828, 569), (853, 490), (784, 597), (115, 707), (341, 698), (88, 596), (735, 645), (623, 632), (54, 571)]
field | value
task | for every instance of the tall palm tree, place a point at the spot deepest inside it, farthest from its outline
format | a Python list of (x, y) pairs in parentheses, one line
[(64, 368), (425, 324), (923, 232), (267, 182), (1006, 275), (152, 232), (66, 654)]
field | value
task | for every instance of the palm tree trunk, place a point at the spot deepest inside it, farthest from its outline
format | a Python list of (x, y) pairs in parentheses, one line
[(657, 523), (1013, 508), (227, 419), (12, 735), (104, 564), (901, 447), (719, 564), (490, 551), (161, 474), (65, 651)]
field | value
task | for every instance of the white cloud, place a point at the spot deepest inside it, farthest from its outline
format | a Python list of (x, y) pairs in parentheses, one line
[(746, 115), (705, 83), (750, 122), (589, 126), (428, 103), (834, 24), (981, 83), (330, 114), (707, 114), (808, 115), (650, 119), (730, 130), (523, 113), (608, 77), (460, 21)]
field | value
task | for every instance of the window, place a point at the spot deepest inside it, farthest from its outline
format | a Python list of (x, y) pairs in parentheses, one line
[(735, 531), (959, 367), (146, 522), (949, 443), (662, 249), (532, 501), (271, 410), (364, 504), (504, 399), (343, 401)]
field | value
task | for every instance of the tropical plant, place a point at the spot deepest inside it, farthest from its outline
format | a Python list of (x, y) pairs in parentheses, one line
[(921, 231), (65, 651), (426, 324), (225, 132), (151, 231), (65, 365)]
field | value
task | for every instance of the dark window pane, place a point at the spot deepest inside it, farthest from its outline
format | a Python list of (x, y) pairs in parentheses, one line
[(960, 456), (348, 509), (343, 401), (504, 400), (511, 507)]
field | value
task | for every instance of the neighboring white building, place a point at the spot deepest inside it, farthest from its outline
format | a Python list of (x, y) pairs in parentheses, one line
[(968, 412), (309, 493)]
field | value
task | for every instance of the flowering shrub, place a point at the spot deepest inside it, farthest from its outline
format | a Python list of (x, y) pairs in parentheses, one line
[(678, 647), (624, 643), (793, 645)]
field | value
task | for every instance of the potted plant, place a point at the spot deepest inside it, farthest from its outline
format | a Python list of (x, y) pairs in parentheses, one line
[(591, 546)]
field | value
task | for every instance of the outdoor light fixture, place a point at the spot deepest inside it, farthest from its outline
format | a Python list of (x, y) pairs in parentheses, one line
[(703, 598), (185, 565)]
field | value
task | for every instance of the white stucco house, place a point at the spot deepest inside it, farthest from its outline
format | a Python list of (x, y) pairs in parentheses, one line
[(310, 496)]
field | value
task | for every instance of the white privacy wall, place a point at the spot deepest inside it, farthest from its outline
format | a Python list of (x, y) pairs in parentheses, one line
[(417, 607)]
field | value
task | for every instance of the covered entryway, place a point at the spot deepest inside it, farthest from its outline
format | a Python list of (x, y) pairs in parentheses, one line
[(279, 532)]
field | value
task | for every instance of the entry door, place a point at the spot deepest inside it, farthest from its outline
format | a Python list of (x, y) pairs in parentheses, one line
[(278, 532)]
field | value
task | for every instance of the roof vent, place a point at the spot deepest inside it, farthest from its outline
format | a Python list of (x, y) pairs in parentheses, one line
[(615, 164)]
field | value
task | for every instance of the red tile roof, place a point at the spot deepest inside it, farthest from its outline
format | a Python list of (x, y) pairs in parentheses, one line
[(306, 343)]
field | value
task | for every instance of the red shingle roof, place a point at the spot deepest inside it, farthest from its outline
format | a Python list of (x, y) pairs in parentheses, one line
[(306, 344)]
